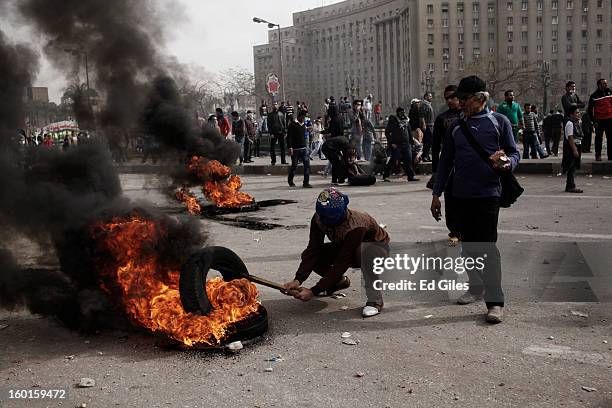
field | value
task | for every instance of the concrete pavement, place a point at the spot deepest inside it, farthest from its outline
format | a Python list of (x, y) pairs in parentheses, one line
[(422, 351)]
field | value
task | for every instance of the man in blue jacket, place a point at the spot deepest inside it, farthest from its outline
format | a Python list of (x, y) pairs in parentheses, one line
[(476, 189)]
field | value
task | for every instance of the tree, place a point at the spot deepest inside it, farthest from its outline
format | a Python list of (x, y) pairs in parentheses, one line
[(237, 84), (526, 80), (80, 99)]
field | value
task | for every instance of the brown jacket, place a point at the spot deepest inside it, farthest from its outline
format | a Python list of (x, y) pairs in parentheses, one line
[(357, 228)]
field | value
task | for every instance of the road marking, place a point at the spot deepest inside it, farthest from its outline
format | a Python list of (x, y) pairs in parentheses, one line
[(534, 233), (565, 196), (566, 353)]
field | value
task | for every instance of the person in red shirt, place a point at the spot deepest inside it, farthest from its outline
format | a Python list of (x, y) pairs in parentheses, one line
[(223, 123), (377, 112)]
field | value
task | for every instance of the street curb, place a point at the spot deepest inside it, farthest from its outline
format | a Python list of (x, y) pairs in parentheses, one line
[(527, 167)]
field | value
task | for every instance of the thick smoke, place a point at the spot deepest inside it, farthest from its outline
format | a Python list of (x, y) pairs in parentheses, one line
[(18, 65), (55, 197)]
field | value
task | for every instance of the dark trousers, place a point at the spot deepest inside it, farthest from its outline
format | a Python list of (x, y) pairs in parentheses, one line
[(603, 126), (573, 164), (302, 155), (450, 210), (547, 140), (257, 144), (556, 138), (427, 141), (338, 161), (395, 154), (248, 145), (529, 143), (280, 138), (477, 221)]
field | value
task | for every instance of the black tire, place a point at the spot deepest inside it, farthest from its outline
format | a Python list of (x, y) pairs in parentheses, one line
[(362, 180), (193, 276)]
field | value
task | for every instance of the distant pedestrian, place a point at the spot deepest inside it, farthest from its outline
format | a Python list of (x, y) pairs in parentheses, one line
[(278, 129), (571, 148), (297, 142), (224, 125), (512, 110), (570, 98), (427, 113), (251, 134), (367, 107), (377, 113), (239, 132), (600, 113)]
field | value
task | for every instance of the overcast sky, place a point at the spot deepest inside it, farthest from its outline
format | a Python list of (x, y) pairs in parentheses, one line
[(213, 34)]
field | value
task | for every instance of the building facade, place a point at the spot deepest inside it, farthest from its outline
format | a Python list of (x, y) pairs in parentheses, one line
[(398, 49)]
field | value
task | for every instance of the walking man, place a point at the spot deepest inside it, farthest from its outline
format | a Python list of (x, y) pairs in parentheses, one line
[(443, 122), (512, 110), (427, 113), (297, 142), (600, 112), (476, 188), (277, 128), (571, 148)]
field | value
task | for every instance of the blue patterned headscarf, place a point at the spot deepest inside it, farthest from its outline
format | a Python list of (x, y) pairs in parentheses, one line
[(332, 206)]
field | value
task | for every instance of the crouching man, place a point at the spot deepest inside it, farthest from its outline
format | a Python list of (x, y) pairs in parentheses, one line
[(348, 231)]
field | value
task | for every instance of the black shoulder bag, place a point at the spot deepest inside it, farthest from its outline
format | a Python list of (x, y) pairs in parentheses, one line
[(511, 190)]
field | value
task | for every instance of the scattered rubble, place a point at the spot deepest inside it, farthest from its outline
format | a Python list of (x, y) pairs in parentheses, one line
[(349, 342), (588, 389), (86, 383), (579, 314), (345, 335), (235, 345)]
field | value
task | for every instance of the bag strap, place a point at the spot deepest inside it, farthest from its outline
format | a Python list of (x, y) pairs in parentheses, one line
[(470, 138)]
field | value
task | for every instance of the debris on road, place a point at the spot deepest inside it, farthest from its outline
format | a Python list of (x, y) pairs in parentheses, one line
[(86, 383), (551, 338), (345, 335), (532, 227), (3, 326), (70, 357), (235, 345), (359, 374), (275, 359), (349, 342), (344, 308), (588, 389), (579, 314), (339, 295), (545, 262), (268, 369), (428, 316)]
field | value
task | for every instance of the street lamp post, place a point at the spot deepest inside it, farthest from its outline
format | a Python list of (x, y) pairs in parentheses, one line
[(546, 77), (280, 50)]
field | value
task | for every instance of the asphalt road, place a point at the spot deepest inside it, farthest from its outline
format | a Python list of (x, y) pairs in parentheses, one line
[(422, 351)]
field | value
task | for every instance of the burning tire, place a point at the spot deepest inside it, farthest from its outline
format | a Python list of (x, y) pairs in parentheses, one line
[(194, 272)]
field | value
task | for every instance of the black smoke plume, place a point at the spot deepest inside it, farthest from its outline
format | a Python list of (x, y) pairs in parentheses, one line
[(55, 197)]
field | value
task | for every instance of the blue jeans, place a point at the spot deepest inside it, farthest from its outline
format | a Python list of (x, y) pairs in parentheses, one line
[(302, 155), (240, 141)]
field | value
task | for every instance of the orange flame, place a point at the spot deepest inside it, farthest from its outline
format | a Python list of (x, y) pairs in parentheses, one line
[(185, 196), (218, 188), (148, 290)]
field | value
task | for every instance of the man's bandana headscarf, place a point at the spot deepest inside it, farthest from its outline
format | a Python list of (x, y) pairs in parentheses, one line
[(332, 206)]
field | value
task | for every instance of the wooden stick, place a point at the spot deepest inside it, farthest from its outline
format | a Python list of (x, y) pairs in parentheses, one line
[(265, 282)]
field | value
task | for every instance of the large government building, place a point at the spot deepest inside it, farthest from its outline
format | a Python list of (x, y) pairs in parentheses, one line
[(397, 49)]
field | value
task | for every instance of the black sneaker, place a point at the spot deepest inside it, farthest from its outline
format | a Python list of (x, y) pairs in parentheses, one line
[(291, 184), (307, 186)]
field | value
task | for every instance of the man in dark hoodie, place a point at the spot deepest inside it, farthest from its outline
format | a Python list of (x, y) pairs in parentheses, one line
[(277, 128), (298, 149), (356, 239), (476, 188), (399, 146)]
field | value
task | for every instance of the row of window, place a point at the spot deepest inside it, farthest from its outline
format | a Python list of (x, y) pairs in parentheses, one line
[(569, 4)]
